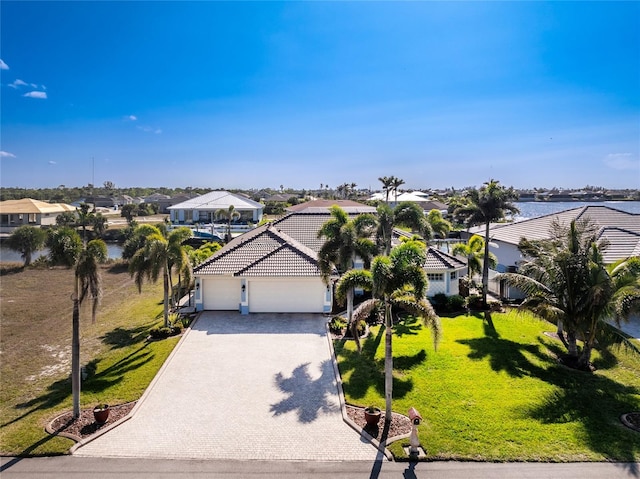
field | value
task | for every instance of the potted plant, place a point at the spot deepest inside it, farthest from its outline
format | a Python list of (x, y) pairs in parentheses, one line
[(372, 415), (101, 413)]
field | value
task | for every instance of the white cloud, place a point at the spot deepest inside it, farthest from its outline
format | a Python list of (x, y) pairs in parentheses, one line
[(17, 83), (621, 161), (36, 94), (6, 154), (150, 129), (3, 65), (51, 162), (158, 131), (131, 117)]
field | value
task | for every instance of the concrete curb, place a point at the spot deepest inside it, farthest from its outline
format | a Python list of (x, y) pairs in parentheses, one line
[(87, 440)]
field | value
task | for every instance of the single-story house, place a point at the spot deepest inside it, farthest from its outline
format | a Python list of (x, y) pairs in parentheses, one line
[(203, 208), (620, 229), (263, 271), (27, 211), (274, 268)]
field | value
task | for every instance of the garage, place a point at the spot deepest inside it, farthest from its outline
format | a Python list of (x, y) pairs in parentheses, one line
[(274, 295), (221, 293)]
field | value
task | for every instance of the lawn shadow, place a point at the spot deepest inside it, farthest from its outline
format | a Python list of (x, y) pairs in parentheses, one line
[(123, 337), (60, 390), (408, 325), (368, 371), (589, 399), (594, 401), (306, 395)]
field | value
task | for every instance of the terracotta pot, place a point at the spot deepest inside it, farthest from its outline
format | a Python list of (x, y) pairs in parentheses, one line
[(372, 416), (101, 415)]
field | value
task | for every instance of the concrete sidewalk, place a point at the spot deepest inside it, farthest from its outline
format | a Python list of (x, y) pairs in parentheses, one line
[(259, 387)]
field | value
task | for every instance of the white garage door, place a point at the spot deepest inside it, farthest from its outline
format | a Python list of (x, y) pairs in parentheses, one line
[(286, 295), (221, 294)]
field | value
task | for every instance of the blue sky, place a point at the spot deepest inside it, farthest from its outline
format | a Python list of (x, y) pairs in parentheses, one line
[(244, 94)]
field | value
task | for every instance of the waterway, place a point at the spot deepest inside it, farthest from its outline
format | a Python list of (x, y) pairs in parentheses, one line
[(7, 255)]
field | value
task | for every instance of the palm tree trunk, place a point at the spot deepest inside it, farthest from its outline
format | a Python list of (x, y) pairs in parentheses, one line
[(561, 335), (572, 347), (75, 353), (353, 325), (584, 361), (166, 295), (388, 360), (485, 268)]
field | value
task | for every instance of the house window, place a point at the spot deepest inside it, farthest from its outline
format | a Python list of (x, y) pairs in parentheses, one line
[(32, 218), (435, 276), (453, 275)]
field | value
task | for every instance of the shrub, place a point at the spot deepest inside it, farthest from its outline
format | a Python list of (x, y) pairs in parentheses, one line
[(337, 324), (456, 303), (474, 301)]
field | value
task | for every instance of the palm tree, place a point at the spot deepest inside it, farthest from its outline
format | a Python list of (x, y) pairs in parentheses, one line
[(230, 214), (473, 251), (395, 184), (406, 214), (567, 283), (395, 281), (387, 185), (27, 240), (161, 254), (486, 205), (344, 240), (439, 225), (88, 283), (84, 217)]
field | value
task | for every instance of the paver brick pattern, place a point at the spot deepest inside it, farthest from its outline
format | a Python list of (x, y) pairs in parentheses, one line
[(259, 386)]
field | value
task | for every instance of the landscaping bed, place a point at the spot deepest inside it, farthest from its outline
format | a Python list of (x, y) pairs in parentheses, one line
[(85, 425)]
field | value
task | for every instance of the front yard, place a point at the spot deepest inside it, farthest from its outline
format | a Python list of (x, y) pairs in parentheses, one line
[(499, 395)]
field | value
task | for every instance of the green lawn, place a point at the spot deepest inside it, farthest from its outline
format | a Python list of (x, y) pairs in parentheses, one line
[(36, 338), (499, 395)]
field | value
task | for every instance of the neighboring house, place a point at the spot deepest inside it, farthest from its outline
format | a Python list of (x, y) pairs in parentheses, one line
[(619, 228), (202, 209), (274, 268), (15, 213), (418, 197), (443, 272)]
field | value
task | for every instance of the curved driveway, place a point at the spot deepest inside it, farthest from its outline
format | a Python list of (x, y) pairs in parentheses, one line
[(260, 386)]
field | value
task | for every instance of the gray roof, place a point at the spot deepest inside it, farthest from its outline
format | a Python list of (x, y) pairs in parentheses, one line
[(323, 206), (264, 251), (620, 228), (216, 200), (439, 260)]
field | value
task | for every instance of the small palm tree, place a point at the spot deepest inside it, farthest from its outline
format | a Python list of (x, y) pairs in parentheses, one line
[(396, 183), (88, 284), (439, 225), (162, 255), (396, 281), (27, 240), (230, 214), (486, 205), (473, 251)]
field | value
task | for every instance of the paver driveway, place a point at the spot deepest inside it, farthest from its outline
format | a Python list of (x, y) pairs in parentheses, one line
[(238, 387)]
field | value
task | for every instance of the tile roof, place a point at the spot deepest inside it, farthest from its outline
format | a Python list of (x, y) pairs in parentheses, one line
[(216, 200), (620, 228), (264, 251), (323, 206), (438, 260), (28, 205)]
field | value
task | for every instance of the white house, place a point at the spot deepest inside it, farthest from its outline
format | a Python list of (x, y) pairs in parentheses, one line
[(443, 272), (202, 209)]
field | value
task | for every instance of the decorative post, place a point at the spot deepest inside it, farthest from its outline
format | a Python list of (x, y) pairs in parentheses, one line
[(415, 451)]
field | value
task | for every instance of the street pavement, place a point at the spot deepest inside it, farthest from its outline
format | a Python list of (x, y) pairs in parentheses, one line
[(65, 467), (259, 387)]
